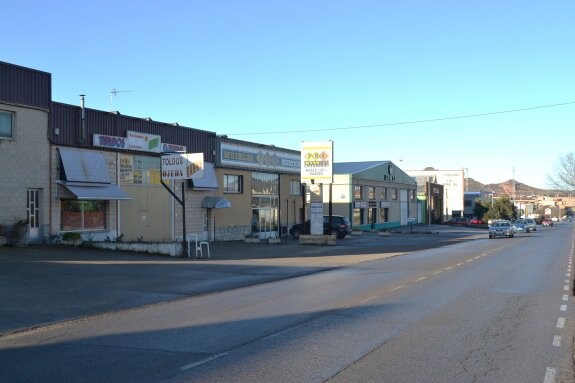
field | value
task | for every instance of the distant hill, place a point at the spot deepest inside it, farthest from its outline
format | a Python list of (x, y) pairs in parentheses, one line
[(506, 188)]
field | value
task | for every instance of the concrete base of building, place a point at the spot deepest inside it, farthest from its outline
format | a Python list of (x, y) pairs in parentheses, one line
[(317, 239)]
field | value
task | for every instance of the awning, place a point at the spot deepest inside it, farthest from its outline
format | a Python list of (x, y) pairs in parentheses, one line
[(215, 203), (95, 191), (208, 181), (83, 166)]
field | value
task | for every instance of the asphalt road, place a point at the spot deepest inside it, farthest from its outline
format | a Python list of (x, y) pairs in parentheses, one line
[(50, 284), (480, 310)]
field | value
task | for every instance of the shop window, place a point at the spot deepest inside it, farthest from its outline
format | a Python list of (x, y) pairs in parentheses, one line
[(83, 215), (233, 183), (357, 192), (357, 217), (139, 170), (383, 194), (265, 184), (371, 192), (384, 214), (6, 124), (393, 193), (295, 187)]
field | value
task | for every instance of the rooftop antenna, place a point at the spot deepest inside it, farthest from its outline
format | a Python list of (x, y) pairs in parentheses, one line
[(113, 93)]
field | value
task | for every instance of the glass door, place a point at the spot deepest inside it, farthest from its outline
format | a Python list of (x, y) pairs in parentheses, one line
[(33, 212)]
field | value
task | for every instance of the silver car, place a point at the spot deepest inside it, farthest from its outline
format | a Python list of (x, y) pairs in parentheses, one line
[(532, 224), (501, 228), (521, 226)]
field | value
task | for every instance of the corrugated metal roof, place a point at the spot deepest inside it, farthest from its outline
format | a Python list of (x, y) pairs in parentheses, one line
[(65, 120), (25, 86)]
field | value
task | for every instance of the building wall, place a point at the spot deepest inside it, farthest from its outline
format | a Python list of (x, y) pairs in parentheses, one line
[(344, 201), (24, 165), (454, 187)]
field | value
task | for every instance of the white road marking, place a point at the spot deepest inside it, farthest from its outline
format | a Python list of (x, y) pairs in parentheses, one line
[(397, 288), (567, 281), (420, 279), (438, 272), (563, 308), (469, 260), (566, 287), (459, 264), (565, 297), (560, 322), (448, 268), (202, 361), (368, 299), (557, 341), (550, 375)]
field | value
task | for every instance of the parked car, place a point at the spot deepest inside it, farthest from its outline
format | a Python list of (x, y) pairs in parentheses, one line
[(532, 224), (521, 226), (458, 221), (340, 226), (475, 221), (501, 228), (547, 222)]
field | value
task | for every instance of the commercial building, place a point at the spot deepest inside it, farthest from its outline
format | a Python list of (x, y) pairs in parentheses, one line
[(68, 168), (453, 188), (262, 184), (374, 194), (25, 97)]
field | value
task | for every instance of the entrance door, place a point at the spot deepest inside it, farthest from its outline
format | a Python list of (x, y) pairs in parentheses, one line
[(267, 223), (33, 211)]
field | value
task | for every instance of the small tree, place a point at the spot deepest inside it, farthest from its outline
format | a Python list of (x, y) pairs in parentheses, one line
[(563, 177), (502, 208)]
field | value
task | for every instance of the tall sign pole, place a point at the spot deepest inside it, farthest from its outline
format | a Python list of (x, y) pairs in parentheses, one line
[(181, 166), (316, 170)]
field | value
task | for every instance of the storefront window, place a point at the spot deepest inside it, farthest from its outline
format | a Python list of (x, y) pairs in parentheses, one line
[(233, 183), (265, 184), (357, 217), (83, 215), (371, 192), (383, 194), (357, 192), (139, 170), (295, 187)]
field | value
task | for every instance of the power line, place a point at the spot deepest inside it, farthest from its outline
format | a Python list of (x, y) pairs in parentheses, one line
[(410, 122)]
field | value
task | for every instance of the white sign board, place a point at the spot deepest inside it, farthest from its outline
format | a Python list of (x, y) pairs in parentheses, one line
[(317, 162), (183, 166)]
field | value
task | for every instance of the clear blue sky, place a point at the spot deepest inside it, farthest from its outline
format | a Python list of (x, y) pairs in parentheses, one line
[(283, 72)]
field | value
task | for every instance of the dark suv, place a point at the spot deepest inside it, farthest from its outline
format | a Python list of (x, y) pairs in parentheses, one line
[(340, 226)]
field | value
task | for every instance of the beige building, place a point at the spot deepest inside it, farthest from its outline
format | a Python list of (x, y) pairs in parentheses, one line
[(262, 185), (24, 149)]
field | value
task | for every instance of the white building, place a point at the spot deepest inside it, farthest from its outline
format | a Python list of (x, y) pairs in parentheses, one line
[(453, 182)]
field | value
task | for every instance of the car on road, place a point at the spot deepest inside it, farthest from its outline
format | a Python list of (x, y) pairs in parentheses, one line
[(340, 226), (476, 221), (547, 222), (501, 228), (532, 224), (458, 221), (521, 226)]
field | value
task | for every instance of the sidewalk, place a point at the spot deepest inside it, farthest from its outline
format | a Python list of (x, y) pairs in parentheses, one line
[(42, 285)]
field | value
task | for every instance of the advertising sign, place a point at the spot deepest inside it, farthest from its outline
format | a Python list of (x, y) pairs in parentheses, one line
[(143, 141), (136, 141), (317, 162), (183, 166)]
